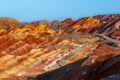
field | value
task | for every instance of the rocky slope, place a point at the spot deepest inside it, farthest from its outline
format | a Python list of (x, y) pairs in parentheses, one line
[(31, 49)]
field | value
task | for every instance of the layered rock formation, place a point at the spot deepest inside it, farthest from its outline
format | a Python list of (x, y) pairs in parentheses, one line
[(33, 48)]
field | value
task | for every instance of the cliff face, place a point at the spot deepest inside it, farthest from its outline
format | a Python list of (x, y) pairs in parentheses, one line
[(33, 48)]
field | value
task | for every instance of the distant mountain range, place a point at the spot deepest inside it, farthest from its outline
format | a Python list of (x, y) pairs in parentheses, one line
[(93, 24)]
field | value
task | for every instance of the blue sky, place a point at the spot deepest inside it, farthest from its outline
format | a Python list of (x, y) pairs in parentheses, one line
[(33, 10)]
